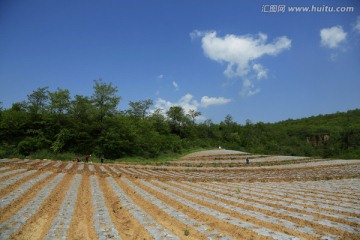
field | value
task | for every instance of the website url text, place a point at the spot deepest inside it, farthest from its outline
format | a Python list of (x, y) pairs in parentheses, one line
[(303, 9)]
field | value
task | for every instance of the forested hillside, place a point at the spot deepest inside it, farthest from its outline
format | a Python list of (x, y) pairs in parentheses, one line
[(54, 124)]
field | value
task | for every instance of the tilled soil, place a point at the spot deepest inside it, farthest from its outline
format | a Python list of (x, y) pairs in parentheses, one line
[(294, 198)]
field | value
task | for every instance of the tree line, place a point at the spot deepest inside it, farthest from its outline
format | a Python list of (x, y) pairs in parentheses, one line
[(52, 123)]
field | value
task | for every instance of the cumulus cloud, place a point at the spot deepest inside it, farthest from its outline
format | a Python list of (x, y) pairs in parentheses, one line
[(332, 37), (208, 101), (260, 71), (163, 104), (188, 102), (196, 34), (241, 53), (248, 88)]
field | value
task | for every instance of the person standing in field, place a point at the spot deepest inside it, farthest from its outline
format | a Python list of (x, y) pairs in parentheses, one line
[(87, 157), (102, 158)]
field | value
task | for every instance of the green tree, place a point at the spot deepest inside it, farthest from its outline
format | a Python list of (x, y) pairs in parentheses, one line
[(177, 118), (81, 109), (105, 99), (13, 125), (59, 101), (38, 100), (139, 109), (193, 114), (159, 122), (62, 138), (82, 114)]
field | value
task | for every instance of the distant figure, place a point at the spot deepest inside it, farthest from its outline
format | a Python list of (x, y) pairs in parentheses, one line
[(247, 161), (102, 158), (87, 157), (79, 158), (219, 147)]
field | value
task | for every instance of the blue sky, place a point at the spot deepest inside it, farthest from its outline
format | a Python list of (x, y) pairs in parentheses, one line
[(217, 57)]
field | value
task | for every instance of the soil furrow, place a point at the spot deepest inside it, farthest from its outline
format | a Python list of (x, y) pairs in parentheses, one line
[(177, 215), (149, 223), (61, 223), (297, 198), (8, 174), (22, 189), (128, 226), (163, 214), (244, 224), (22, 216), (102, 222), (248, 195), (283, 217), (82, 223)]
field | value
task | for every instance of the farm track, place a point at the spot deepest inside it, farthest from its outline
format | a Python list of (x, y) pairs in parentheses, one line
[(293, 199)]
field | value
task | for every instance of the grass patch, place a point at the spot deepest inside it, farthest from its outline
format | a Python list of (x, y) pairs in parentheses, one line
[(44, 154), (69, 156), (161, 159)]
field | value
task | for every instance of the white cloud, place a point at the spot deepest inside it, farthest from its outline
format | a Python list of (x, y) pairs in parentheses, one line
[(161, 76), (332, 37), (176, 86), (188, 102), (357, 25), (247, 92), (241, 53), (163, 104), (260, 71), (208, 101), (195, 34), (248, 88)]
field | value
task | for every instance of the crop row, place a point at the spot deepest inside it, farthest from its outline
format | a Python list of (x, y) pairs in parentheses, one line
[(56, 205), (310, 170)]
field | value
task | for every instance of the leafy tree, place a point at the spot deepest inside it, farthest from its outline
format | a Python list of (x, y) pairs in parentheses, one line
[(38, 100), (228, 120), (19, 106), (81, 109), (59, 101), (177, 118), (105, 99), (193, 114), (82, 114), (14, 124), (139, 109), (34, 141), (176, 115), (159, 122), (62, 139)]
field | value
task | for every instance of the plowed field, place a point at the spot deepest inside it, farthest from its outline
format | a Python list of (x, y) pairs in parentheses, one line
[(207, 195)]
